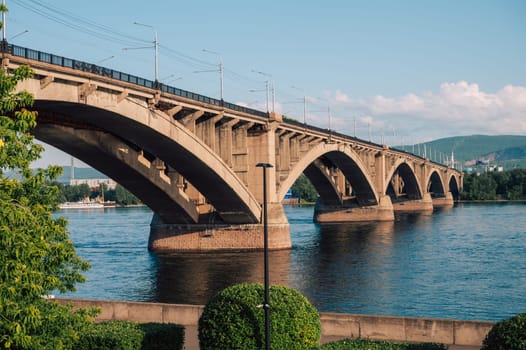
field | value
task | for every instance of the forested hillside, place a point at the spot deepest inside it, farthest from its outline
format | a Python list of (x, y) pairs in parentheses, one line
[(508, 151)]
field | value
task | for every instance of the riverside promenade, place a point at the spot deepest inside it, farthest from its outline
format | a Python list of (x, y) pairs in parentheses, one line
[(458, 335)]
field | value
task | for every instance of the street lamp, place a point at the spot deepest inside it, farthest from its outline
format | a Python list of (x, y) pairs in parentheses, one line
[(104, 60), (221, 70), (155, 46), (266, 90), (304, 105), (266, 303), (4, 25), (170, 79), (19, 34), (267, 87)]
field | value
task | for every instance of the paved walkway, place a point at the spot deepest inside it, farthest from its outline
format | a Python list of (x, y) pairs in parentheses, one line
[(192, 341)]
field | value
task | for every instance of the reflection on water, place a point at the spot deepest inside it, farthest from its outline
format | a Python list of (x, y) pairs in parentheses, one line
[(467, 262), (194, 278)]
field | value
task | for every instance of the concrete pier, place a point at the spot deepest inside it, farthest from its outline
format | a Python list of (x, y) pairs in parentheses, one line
[(444, 202), (354, 213), (419, 205), (220, 236)]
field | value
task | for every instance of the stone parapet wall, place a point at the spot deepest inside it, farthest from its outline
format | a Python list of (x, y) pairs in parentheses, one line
[(334, 326)]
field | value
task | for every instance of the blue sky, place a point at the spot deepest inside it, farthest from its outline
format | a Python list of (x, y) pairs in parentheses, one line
[(410, 71)]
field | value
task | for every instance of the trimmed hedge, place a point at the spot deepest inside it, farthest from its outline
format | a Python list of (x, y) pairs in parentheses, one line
[(508, 334), (124, 335), (367, 344), (233, 319), (162, 336), (111, 335)]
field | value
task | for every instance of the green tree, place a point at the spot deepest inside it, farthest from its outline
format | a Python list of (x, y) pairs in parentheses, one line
[(510, 185), (36, 256), (304, 189), (124, 197)]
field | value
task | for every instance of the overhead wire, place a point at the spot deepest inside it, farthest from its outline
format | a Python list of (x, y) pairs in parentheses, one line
[(104, 32), (79, 23)]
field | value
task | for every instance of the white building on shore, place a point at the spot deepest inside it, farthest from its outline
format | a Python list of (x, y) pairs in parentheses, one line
[(94, 183)]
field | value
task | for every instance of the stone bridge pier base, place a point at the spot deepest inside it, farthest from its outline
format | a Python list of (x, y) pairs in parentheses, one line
[(209, 237), (354, 213), (444, 202), (417, 205)]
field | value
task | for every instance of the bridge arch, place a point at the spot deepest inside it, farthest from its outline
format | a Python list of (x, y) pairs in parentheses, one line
[(453, 186), (166, 139), (127, 166), (435, 184), (410, 184), (346, 160)]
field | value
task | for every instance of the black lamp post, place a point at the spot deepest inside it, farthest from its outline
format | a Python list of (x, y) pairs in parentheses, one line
[(266, 303)]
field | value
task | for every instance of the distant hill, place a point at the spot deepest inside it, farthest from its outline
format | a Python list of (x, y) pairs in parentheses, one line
[(508, 151)]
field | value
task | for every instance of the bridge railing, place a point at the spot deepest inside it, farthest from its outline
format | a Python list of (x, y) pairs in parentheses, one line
[(341, 136), (129, 78)]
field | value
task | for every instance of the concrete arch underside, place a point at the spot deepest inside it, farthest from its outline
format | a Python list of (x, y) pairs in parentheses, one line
[(411, 189), (118, 160), (406, 192), (346, 160), (367, 205), (164, 138), (435, 185)]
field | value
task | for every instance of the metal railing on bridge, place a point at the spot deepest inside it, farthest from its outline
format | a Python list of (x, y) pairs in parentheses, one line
[(128, 78)]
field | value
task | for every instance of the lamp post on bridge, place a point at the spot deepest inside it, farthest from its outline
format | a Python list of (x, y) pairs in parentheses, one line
[(266, 303), (304, 105), (267, 82), (155, 47), (266, 90), (4, 30), (221, 71)]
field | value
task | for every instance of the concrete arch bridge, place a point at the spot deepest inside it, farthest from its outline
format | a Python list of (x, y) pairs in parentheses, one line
[(192, 159)]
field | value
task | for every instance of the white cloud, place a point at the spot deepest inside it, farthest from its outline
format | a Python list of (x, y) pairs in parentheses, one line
[(459, 108)]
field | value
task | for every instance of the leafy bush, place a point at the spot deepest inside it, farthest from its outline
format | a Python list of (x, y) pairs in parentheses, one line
[(367, 344), (233, 319), (162, 336), (124, 335), (508, 334), (110, 335)]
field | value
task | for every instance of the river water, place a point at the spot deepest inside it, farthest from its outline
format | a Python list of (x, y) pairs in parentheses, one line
[(467, 262)]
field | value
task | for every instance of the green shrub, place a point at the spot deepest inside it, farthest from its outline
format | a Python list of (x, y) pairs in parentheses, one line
[(111, 335), (233, 319), (508, 334), (367, 344), (162, 336), (124, 335)]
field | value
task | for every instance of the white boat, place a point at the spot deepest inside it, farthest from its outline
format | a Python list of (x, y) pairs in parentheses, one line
[(81, 205)]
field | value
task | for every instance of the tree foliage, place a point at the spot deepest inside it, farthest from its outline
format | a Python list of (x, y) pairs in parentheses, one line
[(507, 185), (304, 189), (509, 334), (36, 255), (124, 197)]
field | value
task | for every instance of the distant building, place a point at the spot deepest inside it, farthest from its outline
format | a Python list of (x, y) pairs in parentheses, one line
[(290, 199), (94, 183)]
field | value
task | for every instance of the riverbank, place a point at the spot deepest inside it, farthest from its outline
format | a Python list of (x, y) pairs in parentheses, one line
[(454, 333)]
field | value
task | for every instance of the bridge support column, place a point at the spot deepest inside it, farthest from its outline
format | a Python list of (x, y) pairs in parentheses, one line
[(216, 237), (444, 202), (354, 213), (417, 205)]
